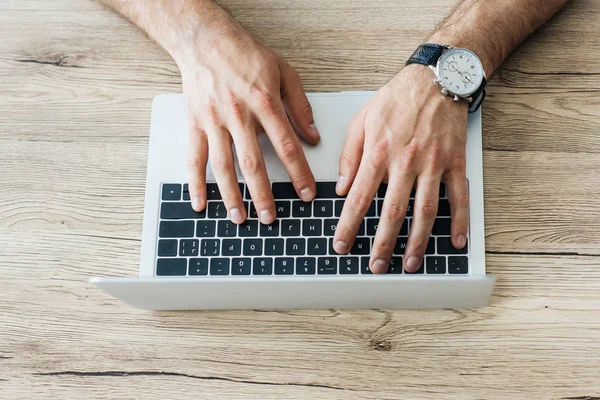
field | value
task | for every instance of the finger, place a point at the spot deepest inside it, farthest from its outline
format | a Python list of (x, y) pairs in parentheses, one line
[(196, 163), (425, 211), (221, 162), (357, 203), (297, 104), (252, 165), (391, 220), (458, 197), (273, 119), (351, 154)]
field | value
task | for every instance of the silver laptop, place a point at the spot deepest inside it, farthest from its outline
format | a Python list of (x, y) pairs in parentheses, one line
[(193, 261)]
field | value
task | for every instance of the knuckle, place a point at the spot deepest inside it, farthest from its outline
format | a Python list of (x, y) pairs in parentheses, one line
[(394, 211), (209, 112), (428, 209), (289, 149), (379, 153), (264, 101), (250, 163), (343, 232), (234, 105), (346, 161), (385, 246), (262, 199), (194, 163), (410, 155), (358, 202), (220, 163)]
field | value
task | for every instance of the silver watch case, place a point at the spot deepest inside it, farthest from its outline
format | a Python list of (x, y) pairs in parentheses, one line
[(437, 80)]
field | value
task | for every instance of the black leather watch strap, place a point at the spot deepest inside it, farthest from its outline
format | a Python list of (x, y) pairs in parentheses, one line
[(426, 54), (477, 97)]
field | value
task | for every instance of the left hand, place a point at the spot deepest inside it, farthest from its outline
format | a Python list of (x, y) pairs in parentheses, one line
[(413, 135)]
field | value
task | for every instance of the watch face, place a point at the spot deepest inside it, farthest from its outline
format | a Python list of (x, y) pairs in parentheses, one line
[(460, 71)]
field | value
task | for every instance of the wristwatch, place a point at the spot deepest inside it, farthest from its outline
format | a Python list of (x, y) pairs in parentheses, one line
[(458, 71)]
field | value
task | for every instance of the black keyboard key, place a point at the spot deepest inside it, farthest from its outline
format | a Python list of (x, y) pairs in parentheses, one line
[(443, 208), (283, 208), (361, 228), (326, 190), (371, 210), (210, 247), (198, 266), (372, 224), (323, 208), (232, 247), (458, 265), (171, 266), (331, 251), (262, 266), (435, 264), (188, 247), (400, 246), (305, 265), (395, 266), (216, 209), (409, 208), (379, 207), (179, 210), (171, 191), (226, 228), (273, 247), (284, 190), (253, 213), (219, 266), (249, 228), (186, 192), (247, 193), (284, 266), (176, 229), (312, 227), (382, 190), (212, 192), (362, 245), (445, 246), (441, 226), (301, 209), (364, 266), (290, 227), (404, 228), (270, 230), (329, 226), (253, 247), (316, 247), (430, 249), (295, 246), (349, 265), (167, 248), (339, 206), (442, 190), (241, 266), (206, 228), (327, 265)]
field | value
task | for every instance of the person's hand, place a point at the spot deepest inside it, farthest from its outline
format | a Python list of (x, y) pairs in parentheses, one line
[(235, 88), (410, 134)]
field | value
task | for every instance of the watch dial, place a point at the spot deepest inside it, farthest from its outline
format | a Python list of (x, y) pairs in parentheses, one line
[(460, 71)]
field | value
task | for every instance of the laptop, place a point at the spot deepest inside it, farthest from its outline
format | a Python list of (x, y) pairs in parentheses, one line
[(193, 261)]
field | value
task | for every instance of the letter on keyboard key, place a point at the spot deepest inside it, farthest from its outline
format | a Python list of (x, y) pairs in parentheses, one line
[(283, 208), (290, 227), (327, 265), (241, 266), (312, 227), (317, 247), (219, 266), (323, 208), (361, 246), (216, 209), (171, 266), (445, 246), (305, 265), (262, 266), (372, 224), (249, 228), (179, 210), (400, 245), (435, 264), (458, 265), (395, 266), (295, 246), (284, 266), (226, 228), (270, 230), (329, 226), (232, 247), (198, 266), (176, 229), (253, 247), (273, 247), (167, 248), (284, 190), (210, 247), (188, 247), (206, 228), (364, 266), (349, 265), (301, 209), (171, 191)]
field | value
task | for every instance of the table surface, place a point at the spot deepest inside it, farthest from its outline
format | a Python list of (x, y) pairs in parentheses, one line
[(76, 84)]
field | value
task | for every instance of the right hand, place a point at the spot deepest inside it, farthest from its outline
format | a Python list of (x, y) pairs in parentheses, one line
[(234, 88)]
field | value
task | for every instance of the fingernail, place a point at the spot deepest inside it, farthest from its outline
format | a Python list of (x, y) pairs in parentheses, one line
[(196, 203), (315, 131), (266, 217), (307, 194), (412, 264), (340, 247), (235, 215), (340, 183), (379, 266), (461, 241)]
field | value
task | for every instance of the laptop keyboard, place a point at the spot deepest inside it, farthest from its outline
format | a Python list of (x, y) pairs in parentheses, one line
[(299, 242)]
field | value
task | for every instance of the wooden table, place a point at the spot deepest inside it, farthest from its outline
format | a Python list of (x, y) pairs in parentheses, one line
[(76, 82)]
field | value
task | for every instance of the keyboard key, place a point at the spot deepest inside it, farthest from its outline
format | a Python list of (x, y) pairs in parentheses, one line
[(210, 247), (205, 228), (382, 190), (283, 208), (445, 246), (219, 266), (226, 228), (430, 246), (442, 190), (216, 209), (241, 266), (339, 206), (371, 210), (186, 192), (212, 192), (349, 265), (171, 191), (361, 228), (167, 248), (331, 250), (400, 245), (284, 190), (301, 209), (179, 210), (295, 247), (198, 266), (329, 226), (176, 229), (232, 247), (362, 245), (249, 228), (409, 208), (323, 208), (290, 227), (253, 247), (284, 266), (273, 247), (188, 247), (317, 247), (312, 227), (443, 208), (262, 266), (326, 190), (441, 226), (270, 230), (372, 224), (252, 213), (364, 266), (171, 266), (458, 265), (327, 265), (404, 228), (435, 264), (395, 266), (305, 265)]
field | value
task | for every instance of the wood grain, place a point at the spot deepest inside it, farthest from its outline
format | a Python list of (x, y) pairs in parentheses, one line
[(76, 83)]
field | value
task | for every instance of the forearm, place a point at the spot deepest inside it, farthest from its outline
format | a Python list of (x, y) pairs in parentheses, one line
[(493, 28)]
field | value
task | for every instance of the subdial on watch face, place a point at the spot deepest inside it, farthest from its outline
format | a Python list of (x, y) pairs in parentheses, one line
[(452, 66), (466, 77), (460, 71)]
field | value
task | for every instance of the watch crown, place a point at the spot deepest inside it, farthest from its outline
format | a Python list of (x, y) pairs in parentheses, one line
[(456, 98), (435, 81), (445, 91)]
